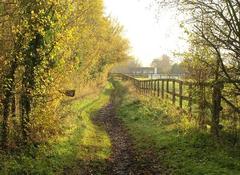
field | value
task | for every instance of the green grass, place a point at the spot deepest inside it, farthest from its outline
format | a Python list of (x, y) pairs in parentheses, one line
[(181, 148), (80, 144)]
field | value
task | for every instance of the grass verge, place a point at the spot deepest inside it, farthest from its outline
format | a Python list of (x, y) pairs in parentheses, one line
[(80, 145), (174, 139)]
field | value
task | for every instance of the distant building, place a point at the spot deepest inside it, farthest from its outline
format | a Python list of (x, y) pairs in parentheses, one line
[(143, 70)]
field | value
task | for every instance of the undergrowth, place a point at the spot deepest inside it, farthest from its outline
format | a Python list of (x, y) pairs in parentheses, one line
[(80, 143), (174, 137)]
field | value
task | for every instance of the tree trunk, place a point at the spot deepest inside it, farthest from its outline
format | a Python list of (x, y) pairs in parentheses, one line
[(32, 60), (202, 119), (216, 99), (6, 109), (8, 94), (25, 118)]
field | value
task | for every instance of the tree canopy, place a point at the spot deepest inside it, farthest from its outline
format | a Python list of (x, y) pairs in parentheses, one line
[(48, 47)]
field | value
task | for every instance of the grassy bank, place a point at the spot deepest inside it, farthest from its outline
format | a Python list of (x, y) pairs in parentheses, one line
[(80, 144), (182, 149)]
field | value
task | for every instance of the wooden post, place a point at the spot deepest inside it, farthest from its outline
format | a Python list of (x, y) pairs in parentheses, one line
[(167, 89), (152, 87), (137, 85), (155, 88), (190, 98), (140, 86), (173, 92), (148, 84), (181, 94), (144, 87), (163, 89), (158, 88), (145, 91)]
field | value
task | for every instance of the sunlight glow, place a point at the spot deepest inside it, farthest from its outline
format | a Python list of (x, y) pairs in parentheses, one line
[(150, 37)]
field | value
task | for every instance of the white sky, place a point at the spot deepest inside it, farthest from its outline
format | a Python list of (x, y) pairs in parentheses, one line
[(149, 38)]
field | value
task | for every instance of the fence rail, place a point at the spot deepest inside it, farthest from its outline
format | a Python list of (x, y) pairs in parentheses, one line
[(156, 75), (181, 92)]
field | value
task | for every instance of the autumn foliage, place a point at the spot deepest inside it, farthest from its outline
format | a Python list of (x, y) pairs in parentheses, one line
[(47, 47)]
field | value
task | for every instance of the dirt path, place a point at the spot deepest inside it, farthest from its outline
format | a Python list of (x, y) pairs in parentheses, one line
[(124, 160)]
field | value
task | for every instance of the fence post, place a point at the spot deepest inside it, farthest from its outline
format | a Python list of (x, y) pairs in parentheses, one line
[(163, 89), (173, 92), (149, 87), (155, 87), (190, 98), (137, 83), (139, 86), (152, 84), (144, 87), (181, 94), (167, 89), (145, 90)]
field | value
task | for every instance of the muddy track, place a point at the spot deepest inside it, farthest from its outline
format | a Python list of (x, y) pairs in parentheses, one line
[(125, 160), (122, 158)]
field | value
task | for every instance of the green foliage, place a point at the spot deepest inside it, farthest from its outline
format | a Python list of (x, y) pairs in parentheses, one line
[(178, 144), (80, 143), (177, 68), (199, 61)]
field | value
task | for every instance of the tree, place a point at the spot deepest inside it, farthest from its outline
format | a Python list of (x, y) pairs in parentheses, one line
[(54, 46), (127, 66), (8, 66), (216, 24), (163, 64), (200, 63), (177, 68)]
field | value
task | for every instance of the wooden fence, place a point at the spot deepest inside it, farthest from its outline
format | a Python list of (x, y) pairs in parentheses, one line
[(157, 76), (176, 90), (181, 92)]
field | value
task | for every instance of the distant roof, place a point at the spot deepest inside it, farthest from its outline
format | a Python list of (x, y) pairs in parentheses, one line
[(150, 68), (143, 70)]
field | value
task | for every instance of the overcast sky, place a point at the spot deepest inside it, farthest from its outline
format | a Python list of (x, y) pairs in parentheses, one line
[(149, 38)]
